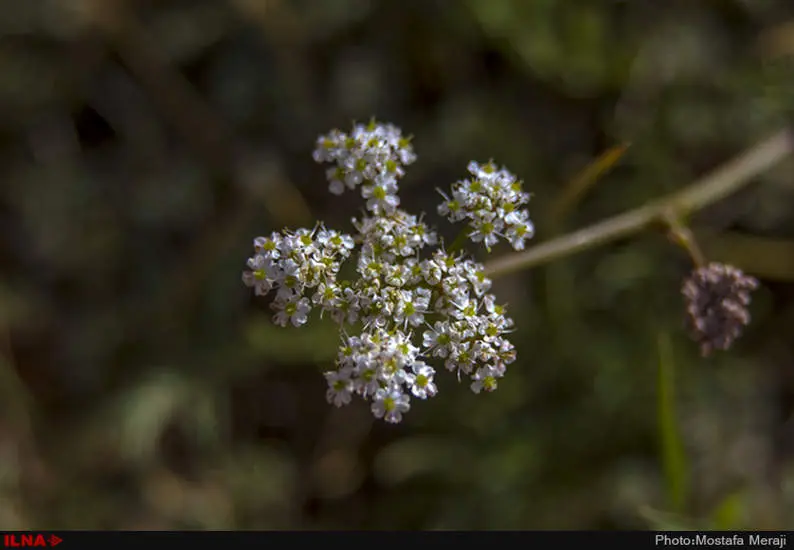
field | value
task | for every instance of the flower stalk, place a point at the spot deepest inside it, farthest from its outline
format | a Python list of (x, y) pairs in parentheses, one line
[(722, 182)]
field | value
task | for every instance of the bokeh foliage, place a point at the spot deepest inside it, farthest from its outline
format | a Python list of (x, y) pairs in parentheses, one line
[(145, 143)]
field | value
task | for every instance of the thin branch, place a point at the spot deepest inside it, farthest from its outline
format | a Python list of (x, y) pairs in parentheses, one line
[(717, 185)]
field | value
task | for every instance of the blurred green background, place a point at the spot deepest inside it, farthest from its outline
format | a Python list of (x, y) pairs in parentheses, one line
[(145, 143)]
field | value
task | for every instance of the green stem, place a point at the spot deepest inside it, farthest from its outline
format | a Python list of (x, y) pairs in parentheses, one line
[(717, 185), (674, 457), (459, 241), (682, 236)]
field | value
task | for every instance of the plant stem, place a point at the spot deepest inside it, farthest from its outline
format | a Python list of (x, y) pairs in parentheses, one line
[(715, 186), (682, 236), (459, 241)]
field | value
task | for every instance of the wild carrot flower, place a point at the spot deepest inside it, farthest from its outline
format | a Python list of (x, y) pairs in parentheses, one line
[(407, 308)]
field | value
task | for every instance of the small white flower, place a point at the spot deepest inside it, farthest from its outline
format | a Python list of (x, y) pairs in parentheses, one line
[(480, 171), (367, 383), (268, 247), (335, 242), (412, 307), (484, 379), (353, 178), (335, 185), (484, 228), (328, 296), (438, 340), (390, 404), (519, 232), (258, 281), (295, 310), (340, 388), (397, 275), (381, 195), (423, 385), (460, 358)]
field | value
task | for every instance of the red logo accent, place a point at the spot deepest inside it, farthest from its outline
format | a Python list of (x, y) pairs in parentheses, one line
[(30, 540)]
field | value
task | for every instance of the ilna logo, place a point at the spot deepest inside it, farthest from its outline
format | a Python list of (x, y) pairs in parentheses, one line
[(26, 541)]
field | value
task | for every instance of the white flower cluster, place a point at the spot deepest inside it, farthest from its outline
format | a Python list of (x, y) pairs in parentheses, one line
[(291, 264), (409, 310), (490, 201), (373, 156)]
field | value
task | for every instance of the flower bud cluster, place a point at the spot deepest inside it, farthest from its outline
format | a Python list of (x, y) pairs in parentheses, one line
[(717, 297), (406, 309)]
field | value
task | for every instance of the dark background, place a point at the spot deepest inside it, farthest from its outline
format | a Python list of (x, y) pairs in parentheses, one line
[(143, 144)]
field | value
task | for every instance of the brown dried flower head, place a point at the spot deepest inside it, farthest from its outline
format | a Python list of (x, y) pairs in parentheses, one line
[(716, 299)]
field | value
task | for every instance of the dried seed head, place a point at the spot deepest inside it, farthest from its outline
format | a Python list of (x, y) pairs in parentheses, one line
[(716, 299)]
